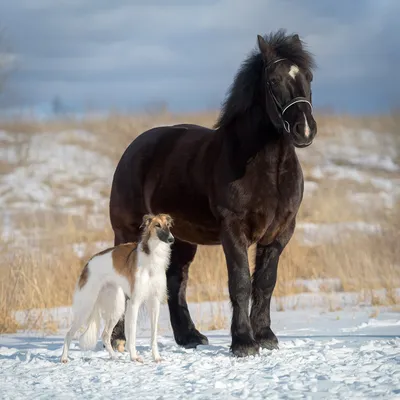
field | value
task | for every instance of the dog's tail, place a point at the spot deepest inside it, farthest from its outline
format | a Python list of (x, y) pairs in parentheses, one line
[(88, 339)]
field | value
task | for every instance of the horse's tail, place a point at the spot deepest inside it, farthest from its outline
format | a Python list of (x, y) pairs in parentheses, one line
[(88, 339)]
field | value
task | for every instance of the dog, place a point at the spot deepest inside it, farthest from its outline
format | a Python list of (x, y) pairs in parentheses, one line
[(136, 270)]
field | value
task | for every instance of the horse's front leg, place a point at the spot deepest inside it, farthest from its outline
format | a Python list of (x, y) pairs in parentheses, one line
[(264, 280), (235, 248)]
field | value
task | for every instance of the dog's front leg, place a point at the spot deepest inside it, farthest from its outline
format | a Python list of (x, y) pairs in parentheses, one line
[(154, 306), (132, 311)]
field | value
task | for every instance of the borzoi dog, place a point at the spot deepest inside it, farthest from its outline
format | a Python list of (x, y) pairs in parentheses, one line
[(137, 270)]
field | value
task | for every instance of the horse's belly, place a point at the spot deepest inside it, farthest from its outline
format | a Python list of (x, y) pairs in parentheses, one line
[(193, 220), (191, 232)]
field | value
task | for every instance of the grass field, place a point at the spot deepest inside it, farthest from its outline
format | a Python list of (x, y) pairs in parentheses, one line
[(55, 180)]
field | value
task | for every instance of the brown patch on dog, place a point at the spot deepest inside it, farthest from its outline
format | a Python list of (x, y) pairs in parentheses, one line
[(124, 256), (84, 276), (124, 259), (85, 272), (149, 224)]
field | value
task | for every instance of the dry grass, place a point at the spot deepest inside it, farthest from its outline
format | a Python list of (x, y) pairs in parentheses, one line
[(46, 278), (42, 273)]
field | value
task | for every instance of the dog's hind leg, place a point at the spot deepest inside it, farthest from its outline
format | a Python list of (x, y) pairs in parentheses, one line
[(108, 328), (80, 318), (112, 304)]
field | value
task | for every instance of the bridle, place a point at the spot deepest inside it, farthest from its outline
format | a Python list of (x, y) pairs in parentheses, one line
[(282, 109)]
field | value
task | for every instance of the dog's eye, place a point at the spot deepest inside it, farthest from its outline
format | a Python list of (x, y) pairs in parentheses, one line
[(158, 225)]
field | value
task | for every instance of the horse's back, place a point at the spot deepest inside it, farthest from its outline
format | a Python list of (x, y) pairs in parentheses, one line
[(157, 143), (160, 171)]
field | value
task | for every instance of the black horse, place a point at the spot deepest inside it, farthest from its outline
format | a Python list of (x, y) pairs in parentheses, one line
[(238, 184)]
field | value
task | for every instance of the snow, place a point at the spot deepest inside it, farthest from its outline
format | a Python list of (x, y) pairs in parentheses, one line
[(46, 162), (310, 188), (55, 172), (81, 249), (373, 200), (342, 355), (359, 156), (338, 172), (315, 285), (312, 234), (4, 136)]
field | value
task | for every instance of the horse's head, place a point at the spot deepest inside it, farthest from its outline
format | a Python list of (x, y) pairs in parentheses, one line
[(288, 89)]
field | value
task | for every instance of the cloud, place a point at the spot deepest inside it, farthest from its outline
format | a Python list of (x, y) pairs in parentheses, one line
[(128, 53)]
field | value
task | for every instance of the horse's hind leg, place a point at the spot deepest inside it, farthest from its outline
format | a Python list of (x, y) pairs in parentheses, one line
[(264, 280), (185, 332)]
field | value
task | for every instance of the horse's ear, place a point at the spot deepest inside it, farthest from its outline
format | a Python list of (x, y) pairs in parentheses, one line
[(296, 40), (264, 47)]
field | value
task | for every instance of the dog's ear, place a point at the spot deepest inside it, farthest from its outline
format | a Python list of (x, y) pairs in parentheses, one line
[(146, 220), (169, 219)]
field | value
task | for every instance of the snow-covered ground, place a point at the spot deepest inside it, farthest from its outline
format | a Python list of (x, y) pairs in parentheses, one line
[(346, 354)]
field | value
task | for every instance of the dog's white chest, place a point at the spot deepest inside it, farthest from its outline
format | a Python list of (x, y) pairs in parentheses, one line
[(149, 283)]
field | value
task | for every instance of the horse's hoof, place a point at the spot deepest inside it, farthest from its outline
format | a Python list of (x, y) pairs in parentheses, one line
[(245, 349), (268, 340), (191, 339), (269, 344)]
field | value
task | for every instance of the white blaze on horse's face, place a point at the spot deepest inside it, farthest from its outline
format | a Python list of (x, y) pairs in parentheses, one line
[(294, 70), (306, 127)]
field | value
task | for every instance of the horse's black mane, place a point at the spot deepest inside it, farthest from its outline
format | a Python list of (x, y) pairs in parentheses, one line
[(247, 87)]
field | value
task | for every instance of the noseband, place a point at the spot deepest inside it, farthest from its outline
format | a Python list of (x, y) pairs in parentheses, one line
[(284, 108)]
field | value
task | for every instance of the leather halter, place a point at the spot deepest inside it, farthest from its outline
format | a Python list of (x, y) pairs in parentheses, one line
[(282, 109)]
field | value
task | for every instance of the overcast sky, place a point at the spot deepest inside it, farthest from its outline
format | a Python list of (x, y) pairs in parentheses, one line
[(125, 54)]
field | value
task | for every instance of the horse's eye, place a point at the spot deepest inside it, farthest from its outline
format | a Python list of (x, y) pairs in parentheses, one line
[(274, 81)]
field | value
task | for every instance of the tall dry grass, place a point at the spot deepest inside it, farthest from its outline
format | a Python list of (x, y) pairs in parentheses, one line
[(46, 278), (41, 273)]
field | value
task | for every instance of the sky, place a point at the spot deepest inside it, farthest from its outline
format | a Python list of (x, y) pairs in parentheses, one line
[(129, 55)]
